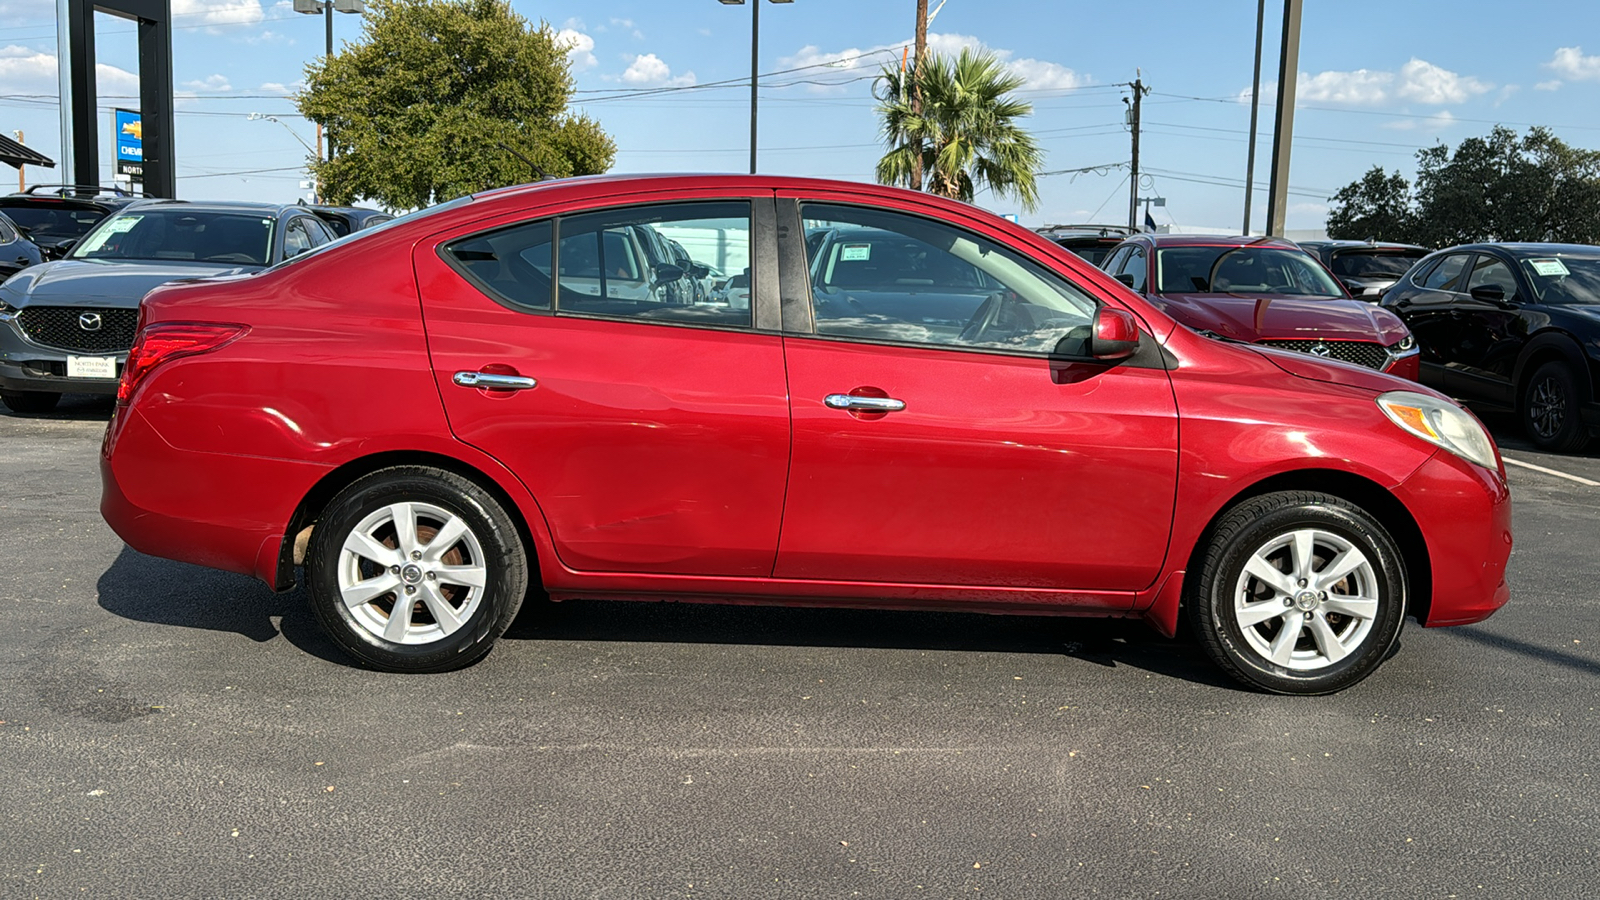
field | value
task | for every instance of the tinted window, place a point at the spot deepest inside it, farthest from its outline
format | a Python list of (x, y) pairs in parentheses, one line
[(1446, 276), (1136, 266), (1242, 270), (896, 278), (1094, 253), (1373, 264), (1113, 264), (175, 233), (1491, 271), (621, 262), (512, 264), (7, 235), (1564, 279), (49, 224), (296, 239)]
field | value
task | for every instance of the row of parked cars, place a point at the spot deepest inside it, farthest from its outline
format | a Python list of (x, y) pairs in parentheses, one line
[(1510, 327)]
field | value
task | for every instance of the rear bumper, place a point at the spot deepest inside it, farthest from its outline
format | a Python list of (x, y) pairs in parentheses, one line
[(211, 509), (1464, 512)]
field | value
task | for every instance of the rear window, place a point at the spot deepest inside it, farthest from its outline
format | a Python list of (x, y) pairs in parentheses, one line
[(49, 223), (1374, 263)]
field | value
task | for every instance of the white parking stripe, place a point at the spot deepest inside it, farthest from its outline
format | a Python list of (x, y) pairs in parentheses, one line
[(1529, 465)]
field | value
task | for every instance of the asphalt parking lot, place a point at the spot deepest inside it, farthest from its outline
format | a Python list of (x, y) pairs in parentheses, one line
[(173, 731)]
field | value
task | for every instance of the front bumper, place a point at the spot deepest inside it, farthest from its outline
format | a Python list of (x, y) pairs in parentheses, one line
[(1464, 513), (28, 366)]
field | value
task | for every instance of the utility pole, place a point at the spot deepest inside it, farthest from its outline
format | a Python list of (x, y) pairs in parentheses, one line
[(1139, 90), (1283, 128), (22, 177), (916, 91), (1255, 106)]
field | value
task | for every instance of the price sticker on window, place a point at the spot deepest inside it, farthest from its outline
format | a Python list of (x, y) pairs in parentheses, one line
[(1549, 267), (855, 252)]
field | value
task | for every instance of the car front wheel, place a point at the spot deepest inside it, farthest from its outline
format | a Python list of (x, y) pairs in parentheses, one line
[(1300, 593), (415, 569), (1550, 410)]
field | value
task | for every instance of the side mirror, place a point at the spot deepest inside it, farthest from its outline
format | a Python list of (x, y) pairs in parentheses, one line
[(698, 270), (1489, 293), (668, 272), (1126, 278), (1116, 334)]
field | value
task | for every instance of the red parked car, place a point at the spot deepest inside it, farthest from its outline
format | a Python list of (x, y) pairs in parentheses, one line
[(1264, 291), (920, 406)]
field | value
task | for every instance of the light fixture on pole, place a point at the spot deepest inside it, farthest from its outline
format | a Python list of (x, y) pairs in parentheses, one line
[(327, 8), (755, 57)]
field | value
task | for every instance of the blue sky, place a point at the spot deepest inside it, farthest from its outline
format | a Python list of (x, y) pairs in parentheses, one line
[(1377, 82)]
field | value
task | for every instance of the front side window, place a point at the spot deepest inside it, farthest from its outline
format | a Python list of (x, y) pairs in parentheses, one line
[(175, 233), (897, 278), (1491, 271)]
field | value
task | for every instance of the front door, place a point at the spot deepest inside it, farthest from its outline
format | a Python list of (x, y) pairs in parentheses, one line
[(934, 440), (653, 431), (1490, 333)]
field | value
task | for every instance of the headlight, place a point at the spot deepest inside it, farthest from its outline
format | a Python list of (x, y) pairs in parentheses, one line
[(1441, 423), (1403, 345)]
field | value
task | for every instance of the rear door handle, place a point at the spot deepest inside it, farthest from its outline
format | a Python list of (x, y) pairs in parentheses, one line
[(491, 382), (869, 404)]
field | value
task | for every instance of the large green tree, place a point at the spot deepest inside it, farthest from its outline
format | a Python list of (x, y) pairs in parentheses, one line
[(966, 130), (1499, 187), (441, 98)]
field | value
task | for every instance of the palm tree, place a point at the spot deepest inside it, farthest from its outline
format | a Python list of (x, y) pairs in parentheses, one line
[(966, 132)]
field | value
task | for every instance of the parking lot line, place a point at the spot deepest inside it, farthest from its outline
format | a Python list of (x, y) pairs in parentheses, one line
[(1529, 465)]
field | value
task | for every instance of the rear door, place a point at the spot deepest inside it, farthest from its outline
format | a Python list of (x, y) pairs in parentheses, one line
[(1429, 311), (653, 432), (944, 450)]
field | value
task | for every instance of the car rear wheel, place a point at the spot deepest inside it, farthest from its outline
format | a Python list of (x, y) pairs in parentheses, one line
[(415, 569), (1300, 593), (1550, 410), (29, 401)]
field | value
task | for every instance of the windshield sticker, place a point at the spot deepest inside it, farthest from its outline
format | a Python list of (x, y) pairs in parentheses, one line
[(855, 252), (1549, 267), (119, 225)]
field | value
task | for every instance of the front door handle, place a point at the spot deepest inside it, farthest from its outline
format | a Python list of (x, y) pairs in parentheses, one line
[(491, 382), (864, 404)]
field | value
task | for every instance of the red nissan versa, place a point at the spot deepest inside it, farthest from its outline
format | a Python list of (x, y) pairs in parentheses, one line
[(1264, 291), (919, 405)]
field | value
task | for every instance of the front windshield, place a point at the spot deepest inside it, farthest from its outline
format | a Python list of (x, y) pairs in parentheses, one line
[(1370, 264), (51, 224), (1242, 270), (1564, 279), (178, 234)]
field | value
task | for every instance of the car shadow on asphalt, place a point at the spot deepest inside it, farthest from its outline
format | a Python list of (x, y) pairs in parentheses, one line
[(1099, 641), (160, 591), (73, 408), (1549, 655)]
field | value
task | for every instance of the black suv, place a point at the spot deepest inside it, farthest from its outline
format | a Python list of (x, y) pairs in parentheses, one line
[(1092, 242), (1366, 268), (55, 216), (1515, 327)]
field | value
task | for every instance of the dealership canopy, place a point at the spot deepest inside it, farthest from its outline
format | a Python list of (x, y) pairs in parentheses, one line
[(16, 155)]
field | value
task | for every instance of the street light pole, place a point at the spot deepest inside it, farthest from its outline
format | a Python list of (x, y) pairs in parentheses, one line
[(1255, 107), (755, 65), (327, 8), (1283, 126)]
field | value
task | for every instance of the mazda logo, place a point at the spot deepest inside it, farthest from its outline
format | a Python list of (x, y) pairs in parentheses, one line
[(89, 321), (1320, 349)]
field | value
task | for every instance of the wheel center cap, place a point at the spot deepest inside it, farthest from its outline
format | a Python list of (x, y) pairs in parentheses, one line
[(1306, 600), (411, 574)]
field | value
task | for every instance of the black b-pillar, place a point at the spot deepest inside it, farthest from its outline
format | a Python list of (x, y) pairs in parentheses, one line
[(155, 90)]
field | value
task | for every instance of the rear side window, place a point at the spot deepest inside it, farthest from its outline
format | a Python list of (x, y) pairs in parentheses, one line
[(512, 264), (1446, 276)]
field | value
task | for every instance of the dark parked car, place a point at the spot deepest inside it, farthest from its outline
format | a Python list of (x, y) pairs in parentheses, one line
[(345, 220), (66, 325), (16, 252), (53, 216), (1263, 291), (1513, 327), (1366, 268), (936, 409), (1092, 242)]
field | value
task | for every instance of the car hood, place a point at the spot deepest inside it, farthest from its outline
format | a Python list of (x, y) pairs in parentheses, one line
[(90, 282), (1276, 317)]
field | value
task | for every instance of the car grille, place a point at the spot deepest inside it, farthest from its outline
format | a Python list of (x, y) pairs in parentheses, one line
[(59, 326), (1363, 353)]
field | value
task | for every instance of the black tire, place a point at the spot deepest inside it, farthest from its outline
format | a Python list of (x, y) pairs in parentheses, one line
[(1550, 410), (490, 533), (29, 401), (1364, 641)]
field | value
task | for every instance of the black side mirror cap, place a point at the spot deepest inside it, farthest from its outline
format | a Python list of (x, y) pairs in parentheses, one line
[(1126, 278)]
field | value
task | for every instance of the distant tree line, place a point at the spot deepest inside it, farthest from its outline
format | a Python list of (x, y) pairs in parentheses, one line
[(1502, 187)]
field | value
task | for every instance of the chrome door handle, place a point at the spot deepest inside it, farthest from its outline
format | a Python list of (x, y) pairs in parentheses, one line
[(870, 404), (491, 382)]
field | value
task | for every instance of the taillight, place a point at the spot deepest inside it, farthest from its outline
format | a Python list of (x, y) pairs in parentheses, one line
[(166, 341)]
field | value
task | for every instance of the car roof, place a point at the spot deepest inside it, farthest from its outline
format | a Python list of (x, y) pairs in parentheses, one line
[(1518, 248), (238, 206), (1212, 240), (1363, 245)]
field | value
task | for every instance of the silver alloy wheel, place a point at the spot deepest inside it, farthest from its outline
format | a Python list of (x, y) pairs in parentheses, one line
[(412, 573), (1306, 599), (1547, 408)]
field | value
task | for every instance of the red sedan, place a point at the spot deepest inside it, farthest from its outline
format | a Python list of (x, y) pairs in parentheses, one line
[(1264, 291), (917, 405)]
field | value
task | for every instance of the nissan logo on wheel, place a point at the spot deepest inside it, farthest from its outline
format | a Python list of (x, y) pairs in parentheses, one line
[(89, 321)]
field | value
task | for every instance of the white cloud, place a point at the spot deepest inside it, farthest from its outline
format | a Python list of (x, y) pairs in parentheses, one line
[(1552, 85), (217, 12), (274, 87), (580, 48), (1425, 82), (1418, 80), (573, 24), (1571, 62), (651, 70), (1361, 87), (27, 71), (213, 83), (1436, 122), (1039, 74)]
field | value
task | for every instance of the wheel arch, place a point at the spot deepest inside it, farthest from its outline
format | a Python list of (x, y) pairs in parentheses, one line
[(1552, 346), (297, 535), (1365, 493)]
